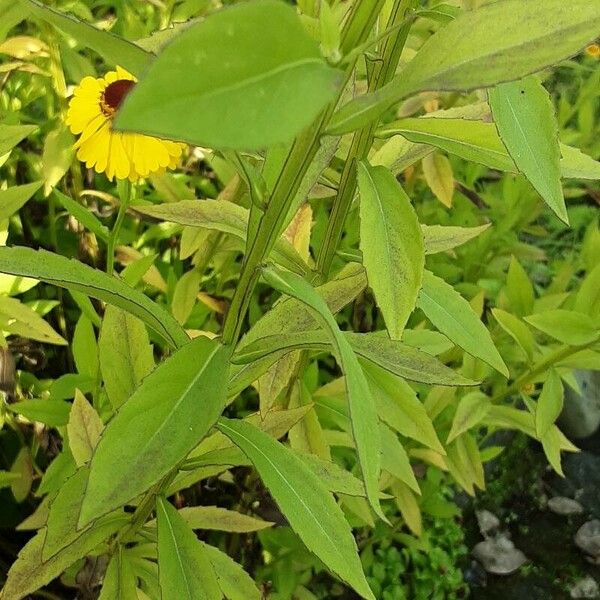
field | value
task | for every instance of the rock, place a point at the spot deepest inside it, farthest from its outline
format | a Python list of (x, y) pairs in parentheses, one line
[(498, 555), (585, 588), (588, 539), (580, 417), (581, 481), (564, 506), (487, 522)]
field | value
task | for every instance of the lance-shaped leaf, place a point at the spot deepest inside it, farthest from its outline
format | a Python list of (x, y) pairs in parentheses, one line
[(455, 318), (471, 410), (501, 41), (307, 504), (114, 49), (549, 404), (73, 275), (84, 429), (472, 140), (219, 215), (171, 411), (363, 415), (391, 241), (11, 135), (525, 118), (439, 238), (234, 582), (258, 79), (14, 197), (396, 357), (125, 354), (185, 571), (119, 581), (30, 572)]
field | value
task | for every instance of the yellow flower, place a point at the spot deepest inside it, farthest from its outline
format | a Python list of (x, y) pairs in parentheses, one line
[(121, 155), (593, 50)]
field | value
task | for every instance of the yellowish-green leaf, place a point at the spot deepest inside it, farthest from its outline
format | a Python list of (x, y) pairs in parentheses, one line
[(439, 238), (360, 400), (125, 354), (184, 568), (84, 429), (307, 504), (12, 199), (439, 177), (392, 245), (455, 318), (567, 326), (549, 404), (524, 115), (471, 410)]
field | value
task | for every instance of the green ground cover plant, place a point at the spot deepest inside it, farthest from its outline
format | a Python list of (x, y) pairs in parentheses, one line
[(275, 274)]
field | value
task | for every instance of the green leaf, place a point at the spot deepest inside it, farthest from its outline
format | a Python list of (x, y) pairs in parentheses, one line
[(11, 135), (83, 215), (167, 415), (392, 245), (471, 410), (577, 165), (309, 507), (439, 177), (517, 330), (12, 199), (399, 407), (119, 581), (524, 115), (394, 459), (519, 289), (455, 318), (54, 413), (23, 467), (587, 299), (219, 215), (18, 318), (73, 275), (85, 348), (551, 445), (567, 326), (251, 78), (234, 582), (184, 569), (396, 357), (114, 49), (472, 140), (360, 400), (501, 41), (62, 527), (57, 156), (549, 404), (220, 519), (84, 429), (440, 238), (185, 295), (125, 354), (30, 572)]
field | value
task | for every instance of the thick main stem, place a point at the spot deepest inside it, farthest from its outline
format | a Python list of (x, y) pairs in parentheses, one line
[(382, 73), (302, 153)]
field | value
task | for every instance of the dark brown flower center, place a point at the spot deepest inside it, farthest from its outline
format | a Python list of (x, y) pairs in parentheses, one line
[(115, 93)]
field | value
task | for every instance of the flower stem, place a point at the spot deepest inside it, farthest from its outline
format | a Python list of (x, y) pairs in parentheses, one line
[(382, 73), (540, 367), (359, 23), (125, 196)]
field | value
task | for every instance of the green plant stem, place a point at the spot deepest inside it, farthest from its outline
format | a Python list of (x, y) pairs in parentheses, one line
[(382, 73), (303, 151), (540, 367), (125, 198)]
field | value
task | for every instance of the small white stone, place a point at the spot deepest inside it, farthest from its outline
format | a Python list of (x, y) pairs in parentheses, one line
[(499, 556), (585, 588), (564, 506), (487, 521)]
